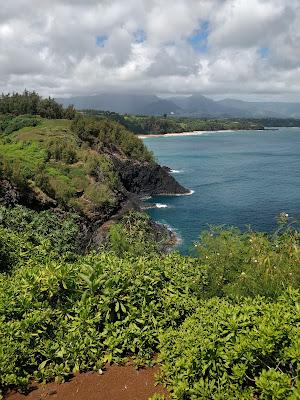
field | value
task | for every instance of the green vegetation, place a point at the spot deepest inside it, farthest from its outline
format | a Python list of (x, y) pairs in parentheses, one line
[(225, 324), (61, 312), (33, 104), (58, 317), (278, 122), (134, 235), (27, 234), (67, 160), (166, 124), (235, 350), (251, 263), (9, 123), (111, 134)]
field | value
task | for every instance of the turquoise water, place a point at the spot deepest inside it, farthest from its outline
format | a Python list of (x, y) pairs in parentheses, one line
[(238, 178)]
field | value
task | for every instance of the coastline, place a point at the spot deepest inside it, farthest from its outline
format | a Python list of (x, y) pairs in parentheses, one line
[(193, 133)]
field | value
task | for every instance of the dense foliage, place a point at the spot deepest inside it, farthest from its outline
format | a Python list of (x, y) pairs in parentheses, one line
[(112, 135), (61, 312), (27, 234), (10, 123), (136, 234), (236, 350), (70, 162), (251, 263), (167, 124), (32, 104), (58, 318), (226, 322)]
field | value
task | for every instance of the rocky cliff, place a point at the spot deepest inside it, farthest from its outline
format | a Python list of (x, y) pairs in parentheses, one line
[(94, 168), (144, 178)]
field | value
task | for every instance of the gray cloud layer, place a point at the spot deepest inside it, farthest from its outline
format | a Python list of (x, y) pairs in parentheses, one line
[(64, 47)]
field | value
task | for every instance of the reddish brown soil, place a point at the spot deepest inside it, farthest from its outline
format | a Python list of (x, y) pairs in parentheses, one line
[(116, 383)]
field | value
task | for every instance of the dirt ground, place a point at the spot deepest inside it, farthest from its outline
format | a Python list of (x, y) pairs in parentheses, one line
[(115, 383)]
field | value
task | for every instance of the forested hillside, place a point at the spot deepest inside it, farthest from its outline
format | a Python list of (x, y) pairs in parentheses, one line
[(143, 124), (91, 165)]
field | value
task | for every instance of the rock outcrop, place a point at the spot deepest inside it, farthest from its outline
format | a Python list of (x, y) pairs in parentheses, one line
[(147, 179)]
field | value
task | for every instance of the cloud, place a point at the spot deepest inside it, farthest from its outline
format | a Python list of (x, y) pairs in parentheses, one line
[(218, 47)]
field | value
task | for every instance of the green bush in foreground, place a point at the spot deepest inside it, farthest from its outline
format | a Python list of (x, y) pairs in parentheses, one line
[(250, 263), (27, 236), (61, 312), (58, 318), (227, 350)]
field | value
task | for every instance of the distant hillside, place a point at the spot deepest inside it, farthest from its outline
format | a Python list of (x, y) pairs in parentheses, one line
[(123, 104), (195, 105), (150, 124), (264, 109), (160, 107), (201, 106)]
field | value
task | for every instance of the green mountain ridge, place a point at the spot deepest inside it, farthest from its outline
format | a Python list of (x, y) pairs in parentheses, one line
[(195, 105)]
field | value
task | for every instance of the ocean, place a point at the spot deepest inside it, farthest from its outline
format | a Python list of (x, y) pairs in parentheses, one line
[(242, 179)]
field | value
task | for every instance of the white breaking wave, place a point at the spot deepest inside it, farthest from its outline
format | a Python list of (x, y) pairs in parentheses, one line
[(185, 194), (159, 205), (176, 171), (175, 232)]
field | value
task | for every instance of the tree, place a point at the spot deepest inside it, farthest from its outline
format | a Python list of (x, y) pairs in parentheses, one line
[(70, 112)]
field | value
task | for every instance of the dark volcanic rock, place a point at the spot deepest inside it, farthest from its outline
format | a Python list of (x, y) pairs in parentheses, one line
[(9, 195), (137, 179), (147, 178), (33, 198)]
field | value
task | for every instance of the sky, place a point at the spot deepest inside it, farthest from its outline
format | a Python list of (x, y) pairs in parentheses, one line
[(248, 49)]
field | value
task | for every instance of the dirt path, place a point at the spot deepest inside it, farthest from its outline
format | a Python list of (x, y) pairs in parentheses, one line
[(116, 383)]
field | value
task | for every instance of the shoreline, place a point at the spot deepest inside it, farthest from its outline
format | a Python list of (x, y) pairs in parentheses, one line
[(174, 238), (193, 133)]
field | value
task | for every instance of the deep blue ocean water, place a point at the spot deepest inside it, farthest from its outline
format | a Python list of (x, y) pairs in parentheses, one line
[(238, 178)]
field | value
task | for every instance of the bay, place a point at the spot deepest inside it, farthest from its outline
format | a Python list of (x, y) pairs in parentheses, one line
[(238, 178)]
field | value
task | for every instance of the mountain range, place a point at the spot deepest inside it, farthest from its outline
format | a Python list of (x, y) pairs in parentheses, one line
[(195, 105)]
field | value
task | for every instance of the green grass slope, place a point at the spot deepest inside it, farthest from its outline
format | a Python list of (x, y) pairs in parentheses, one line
[(68, 160)]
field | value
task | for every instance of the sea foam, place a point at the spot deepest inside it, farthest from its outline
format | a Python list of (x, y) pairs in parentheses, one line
[(185, 194), (159, 205)]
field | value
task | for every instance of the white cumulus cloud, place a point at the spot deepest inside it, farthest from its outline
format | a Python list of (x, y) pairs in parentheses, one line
[(249, 49)]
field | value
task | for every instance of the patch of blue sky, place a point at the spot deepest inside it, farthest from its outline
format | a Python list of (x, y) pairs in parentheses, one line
[(101, 40), (140, 36), (263, 52), (198, 39)]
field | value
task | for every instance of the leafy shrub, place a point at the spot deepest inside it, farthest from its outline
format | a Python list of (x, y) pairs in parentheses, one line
[(61, 231), (48, 108), (20, 161), (62, 150), (135, 234), (112, 135), (9, 246), (227, 350), (101, 168), (63, 182), (250, 263), (61, 187), (58, 317), (11, 124), (99, 195), (70, 112)]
